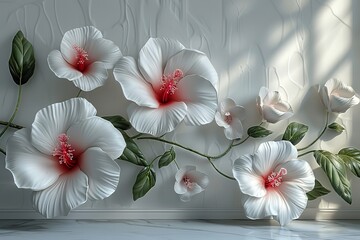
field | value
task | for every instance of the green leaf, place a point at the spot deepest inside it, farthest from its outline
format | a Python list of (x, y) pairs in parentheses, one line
[(22, 60), (336, 127), (295, 132), (132, 152), (119, 122), (145, 180), (335, 169), (167, 158), (318, 191), (258, 132), (351, 158)]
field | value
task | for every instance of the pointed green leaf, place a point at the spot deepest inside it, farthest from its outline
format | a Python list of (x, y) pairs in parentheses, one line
[(22, 60), (295, 132), (132, 152), (351, 158), (336, 127), (335, 169), (318, 191), (145, 180), (167, 158), (119, 122), (258, 132)]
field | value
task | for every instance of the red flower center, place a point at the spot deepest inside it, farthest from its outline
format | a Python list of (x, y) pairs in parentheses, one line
[(169, 84), (275, 179), (64, 152), (228, 118), (81, 58), (187, 181)]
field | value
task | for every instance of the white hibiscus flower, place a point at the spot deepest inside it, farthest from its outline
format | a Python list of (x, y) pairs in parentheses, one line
[(84, 58), (273, 182), (66, 157), (169, 84)]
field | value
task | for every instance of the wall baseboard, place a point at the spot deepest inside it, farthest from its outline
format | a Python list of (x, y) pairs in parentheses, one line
[(309, 213)]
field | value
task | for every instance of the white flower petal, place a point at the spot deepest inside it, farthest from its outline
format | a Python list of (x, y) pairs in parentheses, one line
[(200, 97), (102, 171), (260, 207), (61, 68), (94, 77), (97, 132), (195, 189), (56, 119), (271, 154), (325, 98), (186, 197), (68, 192), (180, 188), (200, 178), (219, 119), (277, 112), (235, 130), (341, 104), (157, 121), (78, 37), (263, 93), (250, 182), (237, 112), (226, 105), (105, 51), (182, 171), (29, 167), (153, 57), (299, 173), (192, 62), (134, 86)]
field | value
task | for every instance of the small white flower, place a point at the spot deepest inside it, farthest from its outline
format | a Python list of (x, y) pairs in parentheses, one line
[(84, 58), (273, 182), (66, 157), (338, 97), (169, 84), (229, 116), (271, 107), (189, 182)]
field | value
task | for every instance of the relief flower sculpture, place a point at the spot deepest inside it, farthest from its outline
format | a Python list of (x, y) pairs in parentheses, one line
[(84, 58), (66, 157), (338, 97), (189, 182), (271, 107), (229, 116), (274, 182), (170, 84)]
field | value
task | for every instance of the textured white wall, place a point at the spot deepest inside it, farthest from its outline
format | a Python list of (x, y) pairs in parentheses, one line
[(286, 45)]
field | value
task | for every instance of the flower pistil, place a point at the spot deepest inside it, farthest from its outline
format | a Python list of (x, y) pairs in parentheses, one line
[(64, 151), (275, 179), (81, 57), (169, 84)]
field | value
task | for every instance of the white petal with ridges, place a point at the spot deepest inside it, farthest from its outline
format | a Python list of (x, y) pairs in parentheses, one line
[(299, 173), (153, 57), (180, 188), (250, 182), (192, 62), (61, 68), (341, 104), (68, 192), (105, 51), (134, 86), (219, 119), (237, 112), (29, 167), (56, 119), (200, 178), (97, 132), (94, 77), (270, 154), (226, 104), (200, 97), (157, 121), (235, 130), (102, 171)]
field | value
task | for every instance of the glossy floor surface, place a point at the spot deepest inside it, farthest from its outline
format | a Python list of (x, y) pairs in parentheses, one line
[(176, 229)]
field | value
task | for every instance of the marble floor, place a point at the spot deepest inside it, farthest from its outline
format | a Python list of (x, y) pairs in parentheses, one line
[(176, 229)]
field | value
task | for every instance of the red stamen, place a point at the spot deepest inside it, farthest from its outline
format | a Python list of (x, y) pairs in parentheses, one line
[(81, 57), (64, 151), (275, 179), (169, 84), (187, 181), (228, 118)]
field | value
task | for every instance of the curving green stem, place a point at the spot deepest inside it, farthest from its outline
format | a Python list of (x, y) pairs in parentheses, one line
[(216, 169), (322, 132), (177, 165), (15, 111), (300, 155), (80, 91), (11, 125), (152, 162), (2, 151), (237, 144)]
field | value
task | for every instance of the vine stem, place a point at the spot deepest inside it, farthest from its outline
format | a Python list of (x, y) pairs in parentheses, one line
[(2, 151), (322, 132), (237, 144), (15, 111), (177, 165), (152, 162), (216, 169), (187, 148), (11, 125), (80, 91), (300, 155)]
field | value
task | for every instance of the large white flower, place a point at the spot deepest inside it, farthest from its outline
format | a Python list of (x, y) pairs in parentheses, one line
[(338, 97), (273, 182), (189, 182), (66, 157), (168, 85), (84, 58), (271, 107), (229, 116)]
